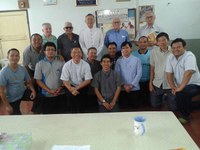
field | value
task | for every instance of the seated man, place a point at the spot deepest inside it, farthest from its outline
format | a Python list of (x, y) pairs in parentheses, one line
[(107, 86), (47, 75), (13, 79), (76, 76), (183, 77)]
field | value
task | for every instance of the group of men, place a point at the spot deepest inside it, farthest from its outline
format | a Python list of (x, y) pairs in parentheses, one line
[(151, 74)]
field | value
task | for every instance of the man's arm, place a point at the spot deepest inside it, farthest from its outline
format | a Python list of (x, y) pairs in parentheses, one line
[(151, 88), (115, 98), (9, 108), (83, 84), (30, 86)]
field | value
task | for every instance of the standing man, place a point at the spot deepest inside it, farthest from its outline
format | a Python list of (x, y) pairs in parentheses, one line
[(76, 76), (150, 30), (112, 52), (130, 69), (47, 75), (13, 79), (183, 76), (47, 34), (116, 35), (144, 55), (67, 41), (91, 36), (158, 85)]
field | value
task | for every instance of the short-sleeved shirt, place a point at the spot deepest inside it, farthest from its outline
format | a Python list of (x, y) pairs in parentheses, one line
[(65, 45), (76, 73), (31, 57), (13, 81), (145, 30), (107, 83), (145, 60), (130, 70), (95, 66), (118, 37), (178, 67), (158, 59), (49, 73), (53, 39)]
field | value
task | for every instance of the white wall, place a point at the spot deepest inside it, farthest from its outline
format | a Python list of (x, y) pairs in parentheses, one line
[(179, 18)]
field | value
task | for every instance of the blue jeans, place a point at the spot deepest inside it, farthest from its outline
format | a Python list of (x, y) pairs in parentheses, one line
[(184, 98), (161, 94)]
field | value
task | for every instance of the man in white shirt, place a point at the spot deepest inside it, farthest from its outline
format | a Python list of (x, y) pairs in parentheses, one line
[(183, 77), (91, 36)]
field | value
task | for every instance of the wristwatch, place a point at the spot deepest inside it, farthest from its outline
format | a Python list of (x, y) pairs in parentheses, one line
[(103, 101)]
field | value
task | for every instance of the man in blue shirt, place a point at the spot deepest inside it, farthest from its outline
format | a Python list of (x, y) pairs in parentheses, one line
[(130, 69), (144, 55), (116, 35)]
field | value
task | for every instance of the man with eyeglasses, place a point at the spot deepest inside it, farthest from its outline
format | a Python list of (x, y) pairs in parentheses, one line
[(116, 35), (90, 36), (67, 41), (150, 30)]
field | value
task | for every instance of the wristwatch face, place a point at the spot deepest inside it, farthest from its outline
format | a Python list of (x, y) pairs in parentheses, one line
[(103, 101)]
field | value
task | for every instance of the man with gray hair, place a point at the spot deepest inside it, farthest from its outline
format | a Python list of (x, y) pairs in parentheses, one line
[(67, 41)]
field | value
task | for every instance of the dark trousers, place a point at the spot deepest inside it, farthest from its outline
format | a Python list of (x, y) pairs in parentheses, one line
[(16, 107), (184, 99), (144, 94), (77, 104)]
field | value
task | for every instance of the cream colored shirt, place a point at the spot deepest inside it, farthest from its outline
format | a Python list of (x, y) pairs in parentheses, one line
[(158, 59)]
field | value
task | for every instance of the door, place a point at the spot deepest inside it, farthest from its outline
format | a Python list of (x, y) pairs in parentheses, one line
[(14, 32)]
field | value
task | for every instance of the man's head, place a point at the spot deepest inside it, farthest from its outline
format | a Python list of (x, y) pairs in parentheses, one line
[(106, 62), (36, 41), (150, 18), (50, 50), (92, 53), (68, 28), (143, 43), (116, 23), (13, 56), (46, 29), (162, 40), (178, 47), (126, 49), (112, 49), (89, 20), (76, 54)]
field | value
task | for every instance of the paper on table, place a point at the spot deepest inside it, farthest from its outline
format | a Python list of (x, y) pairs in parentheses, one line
[(69, 147)]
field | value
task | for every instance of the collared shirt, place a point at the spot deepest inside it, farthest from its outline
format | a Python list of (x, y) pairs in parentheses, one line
[(107, 83), (31, 57), (118, 37), (13, 81), (65, 45), (76, 73), (91, 38), (52, 39), (145, 60), (178, 67), (158, 59), (130, 69), (145, 30), (95, 66), (49, 73)]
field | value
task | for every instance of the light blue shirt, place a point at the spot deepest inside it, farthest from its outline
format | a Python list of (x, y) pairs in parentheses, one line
[(118, 37), (13, 81), (145, 60), (130, 69)]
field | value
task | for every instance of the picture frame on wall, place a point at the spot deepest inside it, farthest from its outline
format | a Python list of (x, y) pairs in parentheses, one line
[(86, 3), (50, 2)]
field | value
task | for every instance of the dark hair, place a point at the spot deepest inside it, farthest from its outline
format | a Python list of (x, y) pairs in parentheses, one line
[(144, 37), (125, 43), (49, 44), (12, 49), (35, 34), (112, 43), (106, 56), (179, 40), (89, 15), (76, 47), (162, 34), (91, 49)]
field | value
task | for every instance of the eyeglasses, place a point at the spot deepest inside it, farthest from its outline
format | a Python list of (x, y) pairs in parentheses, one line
[(68, 27)]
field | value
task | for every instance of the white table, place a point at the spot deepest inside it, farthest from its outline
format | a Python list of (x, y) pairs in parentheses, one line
[(103, 131)]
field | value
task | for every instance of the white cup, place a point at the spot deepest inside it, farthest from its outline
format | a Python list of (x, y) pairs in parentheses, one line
[(139, 125)]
